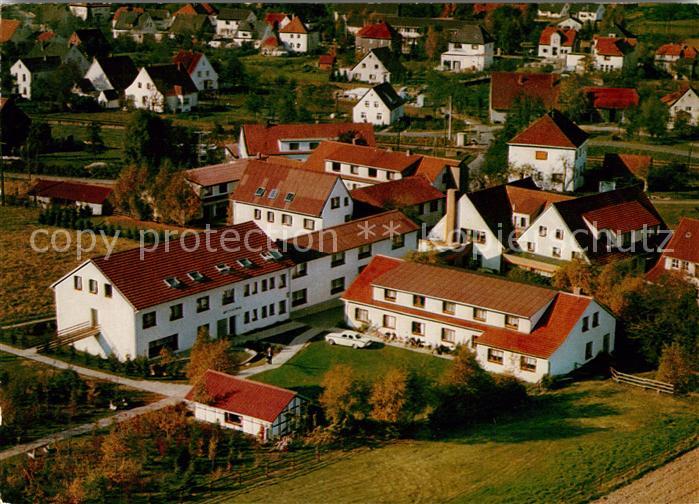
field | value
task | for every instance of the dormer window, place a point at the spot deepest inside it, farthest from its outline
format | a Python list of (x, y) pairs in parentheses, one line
[(260, 192), (223, 268), (196, 276), (289, 197), (273, 194), (173, 282), (245, 262)]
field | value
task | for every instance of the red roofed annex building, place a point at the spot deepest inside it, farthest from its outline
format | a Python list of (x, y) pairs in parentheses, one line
[(264, 411), (681, 255), (513, 328), (670, 56), (137, 302), (683, 102), (297, 38), (506, 87), (610, 103), (52, 192), (555, 42), (553, 150), (611, 53)]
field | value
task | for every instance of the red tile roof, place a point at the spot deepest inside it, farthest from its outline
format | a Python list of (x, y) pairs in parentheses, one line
[(613, 46), (125, 8), (682, 51), (217, 174), (684, 244), (670, 99), (141, 280), (71, 191), (263, 139), (326, 59), (294, 26), (8, 27), (380, 30), (463, 286), (44, 36), (361, 155), (271, 41), (244, 397), (563, 312), (505, 87), (552, 130), (400, 193), (311, 189), (567, 36), (550, 333), (431, 167), (194, 9), (188, 60), (612, 98), (272, 18), (353, 234), (622, 218), (623, 165)]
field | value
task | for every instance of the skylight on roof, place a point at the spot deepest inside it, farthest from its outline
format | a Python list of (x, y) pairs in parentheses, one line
[(222, 268), (173, 282), (289, 197), (260, 191), (273, 194), (245, 262), (196, 276), (276, 255)]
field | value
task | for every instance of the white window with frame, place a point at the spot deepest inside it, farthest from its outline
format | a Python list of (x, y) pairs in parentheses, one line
[(511, 322), (361, 315), (389, 322), (448, 335), (527, 363), (417, 328), (495, 356), (77, 282)]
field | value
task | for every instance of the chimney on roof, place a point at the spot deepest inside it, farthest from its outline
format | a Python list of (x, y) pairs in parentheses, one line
[(258, 155), (407, 152), (577, 291), (354, 140), (521, 79)]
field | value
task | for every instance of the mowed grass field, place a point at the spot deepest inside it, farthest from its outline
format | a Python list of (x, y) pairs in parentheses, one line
[(672, 211), (571, 445), (27, 274), (305, 371)]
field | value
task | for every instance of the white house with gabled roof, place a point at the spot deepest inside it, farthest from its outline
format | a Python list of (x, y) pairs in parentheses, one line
[(297, 38), (513, 328), (684, 101), (286, 202), (162, 88), (381, 105), (137, 302)]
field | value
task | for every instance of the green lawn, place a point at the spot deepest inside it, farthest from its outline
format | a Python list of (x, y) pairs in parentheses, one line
[(572, 445), (305, 371), (671, 212)]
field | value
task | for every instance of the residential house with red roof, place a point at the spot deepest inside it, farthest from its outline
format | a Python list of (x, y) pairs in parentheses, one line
[(611, 53), (556, 42), (277, 20), (52, 192), (214, 184), (286, 201), (485, 224), (415, 196), (513, 328), (596, 228), (200, 70), (611, 103), (11, 31), (681, 254), (326, 61), (360, 165), (297, 141), (507, 87), (297, 37), (257, 409), (137, 302), (380, 34), (683, 102), (328, 261), (553, 149), (380, 106), (620, 169), (470, 48), (670, 56), (163, 88)]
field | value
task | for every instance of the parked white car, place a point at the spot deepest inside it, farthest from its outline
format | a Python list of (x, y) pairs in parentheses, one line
[(348, 338)]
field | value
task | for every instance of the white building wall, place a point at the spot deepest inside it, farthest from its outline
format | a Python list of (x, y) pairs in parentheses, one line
[(373, 110), (204, 76), (320, 273), (97, 77), (608, 63), (299, 42), (511, 365), (370, 69), (467, 57), (544, 245), (115, 315), (689, 103), (567, 165), (23, 79), (571, 354)]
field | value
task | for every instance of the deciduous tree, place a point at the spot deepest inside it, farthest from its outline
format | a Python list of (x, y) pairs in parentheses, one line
[(343, 396)]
